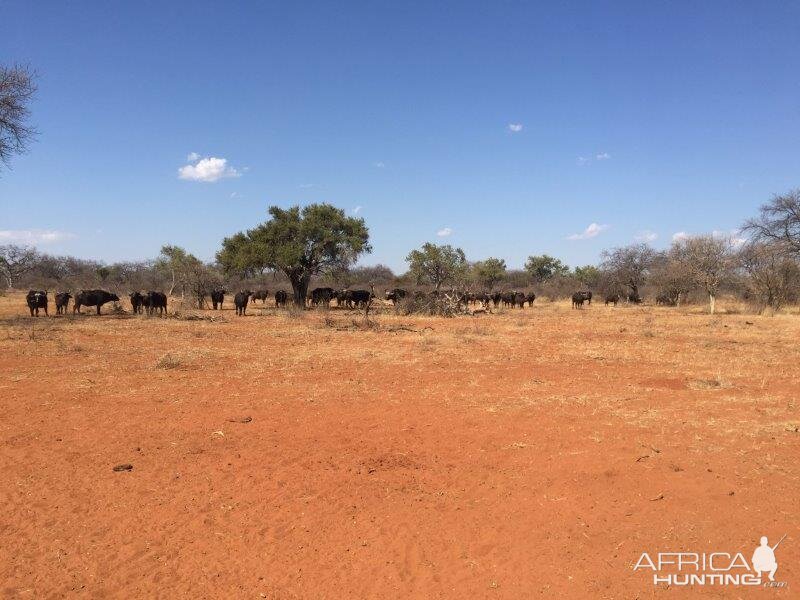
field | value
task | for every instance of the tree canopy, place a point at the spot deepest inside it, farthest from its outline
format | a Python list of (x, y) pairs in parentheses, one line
[(437, 265), (708, 260), (588, 275), (300, 242), (778, 221), (16, 261), (489, 272), (17, 88), (629, 265), (544, 267)]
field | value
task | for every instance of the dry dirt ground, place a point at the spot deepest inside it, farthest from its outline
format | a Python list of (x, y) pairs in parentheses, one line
[(533, 453)]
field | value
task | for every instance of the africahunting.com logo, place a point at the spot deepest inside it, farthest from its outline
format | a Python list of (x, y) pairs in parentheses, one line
[(714, 568)]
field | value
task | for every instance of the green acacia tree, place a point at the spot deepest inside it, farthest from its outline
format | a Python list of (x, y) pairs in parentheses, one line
[(437, 265), (544, 267), (588, 275), (301, 243), (489, 272), (176, 262)]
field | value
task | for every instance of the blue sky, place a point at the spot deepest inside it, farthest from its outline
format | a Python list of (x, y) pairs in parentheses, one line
[(642, 118)]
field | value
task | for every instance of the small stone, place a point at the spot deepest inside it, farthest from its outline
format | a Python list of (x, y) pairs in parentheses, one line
[(240, 420), (124, 467)]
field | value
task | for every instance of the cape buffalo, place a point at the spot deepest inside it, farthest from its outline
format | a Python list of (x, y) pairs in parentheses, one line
[(360, 298), (322, 295), (37, 299), (62, 302), (578, 298), (217, 298), (93, 298), (396, 295), (137, 302), (259, 295), (240, 302), (281, 297), (156, 301)]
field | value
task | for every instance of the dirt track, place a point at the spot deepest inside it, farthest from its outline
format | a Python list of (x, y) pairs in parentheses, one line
[(525, 454)]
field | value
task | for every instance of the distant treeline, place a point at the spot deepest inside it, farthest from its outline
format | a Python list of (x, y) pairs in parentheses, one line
[(317, 246)]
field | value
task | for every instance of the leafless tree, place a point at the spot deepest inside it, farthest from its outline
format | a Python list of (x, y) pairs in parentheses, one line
[(778, 221), (671, 277), (629, 265), (773, 276), (16, 261), (708, 260), (17, 87)]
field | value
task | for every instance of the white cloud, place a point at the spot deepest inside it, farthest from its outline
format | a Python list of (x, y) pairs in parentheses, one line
[(444, 232), (379, 164), (646, 236), (586, 160), (515, 127), (33, 237), (357, 210), (593, 230), (679, 236), (734, 236), (306, 186), (193, 156), (207, 170)]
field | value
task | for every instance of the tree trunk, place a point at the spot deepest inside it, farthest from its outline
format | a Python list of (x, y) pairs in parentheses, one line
[(300, 290), (712, 302)]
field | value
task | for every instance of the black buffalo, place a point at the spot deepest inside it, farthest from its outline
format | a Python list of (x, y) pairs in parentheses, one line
[(578, 298), (634, 298), (530, 298), (359, 298), (280, 298), (343, 298), (93, 298), (36, 299), (322, 295), (155, 301), (217, 298), (62, 302), (137, 302), (512, 299), (259, 295), (353, 298), (483, 298), (612, 299), (396, 295), (240, 302)]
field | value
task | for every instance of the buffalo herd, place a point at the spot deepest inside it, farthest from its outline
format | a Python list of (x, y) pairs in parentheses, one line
[(149, 302), (153, 302), (37, 299)]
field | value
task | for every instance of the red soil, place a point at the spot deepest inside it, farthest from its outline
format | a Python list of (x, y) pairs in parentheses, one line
[(533, 453)]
